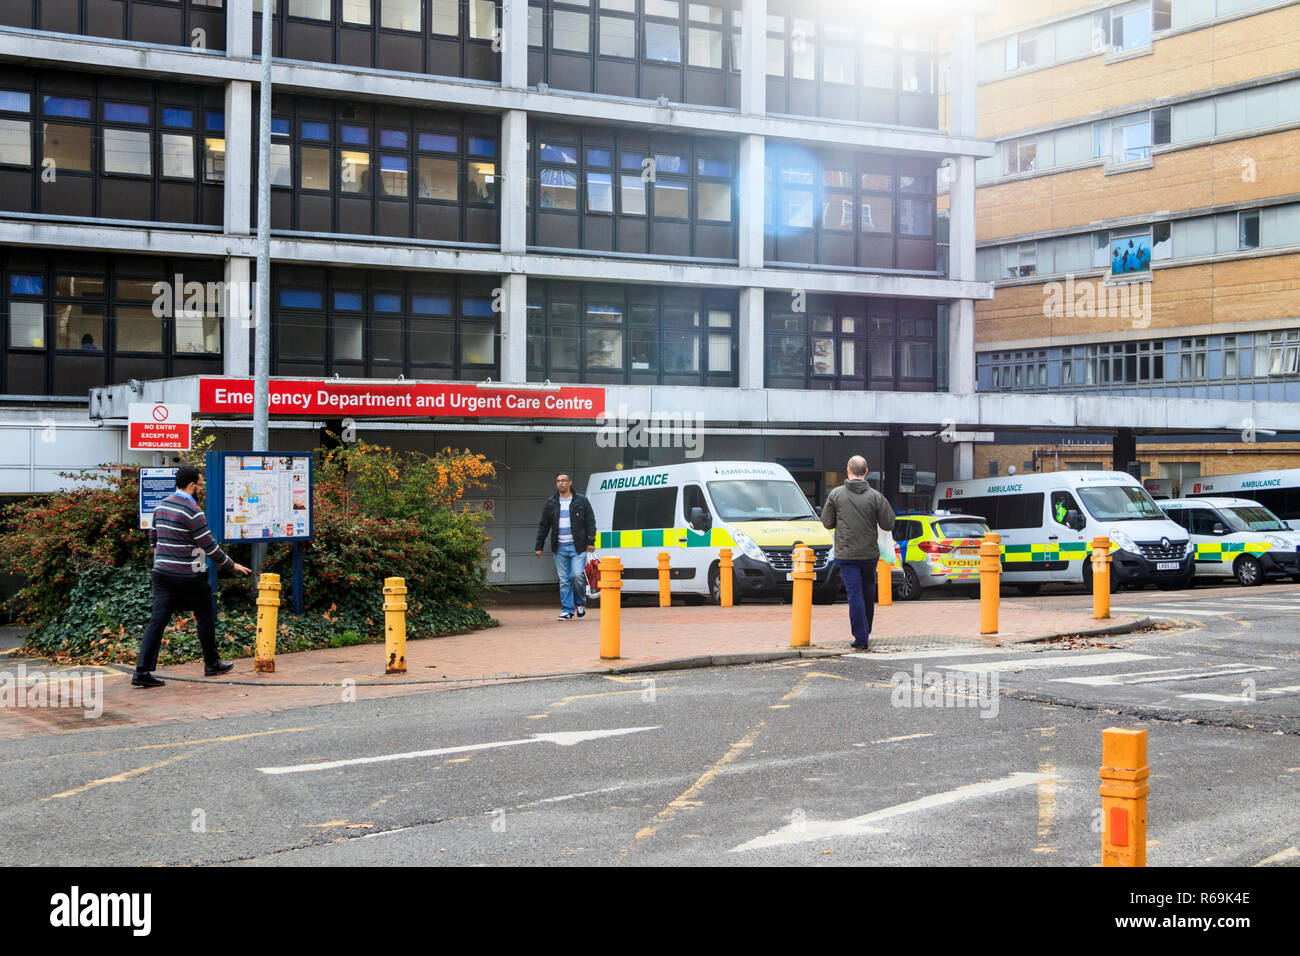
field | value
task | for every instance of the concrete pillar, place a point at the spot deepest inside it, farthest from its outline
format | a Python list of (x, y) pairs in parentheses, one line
[(239, 157), (514, 328), (514, 188), (961, 347), (751, 186), (753, 58), (963, 460), (237, 309), (964, 77), (751, 340), (1124, 450), (961, 219), (239, 28), (513, 41)]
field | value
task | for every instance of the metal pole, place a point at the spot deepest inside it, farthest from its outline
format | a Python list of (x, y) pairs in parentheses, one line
[(262, 336)]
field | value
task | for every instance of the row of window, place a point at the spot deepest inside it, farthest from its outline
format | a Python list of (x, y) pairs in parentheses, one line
[(846, 343), (198, 24), (1128, 26), (631, 335), (70, 323), (1130, 139), (357, 169), (120, 149), (1217, 358), (1133, 249), (379, 324)]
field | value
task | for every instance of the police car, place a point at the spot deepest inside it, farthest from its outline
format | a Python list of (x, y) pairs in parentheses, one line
[(935, 549)]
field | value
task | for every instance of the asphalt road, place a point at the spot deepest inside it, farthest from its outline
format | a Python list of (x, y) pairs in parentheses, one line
[(812, 762)]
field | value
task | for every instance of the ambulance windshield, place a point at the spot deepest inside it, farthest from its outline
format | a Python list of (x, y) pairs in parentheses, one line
[(759, 501)]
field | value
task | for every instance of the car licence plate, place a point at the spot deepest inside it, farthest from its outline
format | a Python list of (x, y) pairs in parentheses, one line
[(1167, 566)]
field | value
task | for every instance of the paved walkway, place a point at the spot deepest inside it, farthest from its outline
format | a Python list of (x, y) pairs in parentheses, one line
[(530, 643)]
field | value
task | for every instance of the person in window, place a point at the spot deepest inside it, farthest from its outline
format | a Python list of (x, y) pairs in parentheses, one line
[(88, 343)]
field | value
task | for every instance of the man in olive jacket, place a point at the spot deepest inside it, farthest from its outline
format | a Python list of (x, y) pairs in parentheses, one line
[(857, 513)]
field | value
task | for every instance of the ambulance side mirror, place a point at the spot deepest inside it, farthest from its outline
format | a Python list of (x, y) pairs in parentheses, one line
[(817, 510), (1073, 520), (700, 519), (1219, 529)]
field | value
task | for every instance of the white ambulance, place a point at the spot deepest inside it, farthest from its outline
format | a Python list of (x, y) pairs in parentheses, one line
[(1047, 523), (1237, 538), (692, 510), (1278, 491)]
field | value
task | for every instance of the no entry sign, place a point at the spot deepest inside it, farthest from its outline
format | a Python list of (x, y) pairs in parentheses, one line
[(159, 427)]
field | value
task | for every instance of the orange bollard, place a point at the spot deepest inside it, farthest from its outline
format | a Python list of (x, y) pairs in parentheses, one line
[(1101, 577), (611, 584), (726, 576), (395, 625), (1124, 790), (990, 582), (884, 583), (665, 594), (802, 575)]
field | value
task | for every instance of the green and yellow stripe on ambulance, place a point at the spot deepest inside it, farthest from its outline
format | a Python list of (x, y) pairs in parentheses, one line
[(665, 538), (1227, 552), (1059, 551)]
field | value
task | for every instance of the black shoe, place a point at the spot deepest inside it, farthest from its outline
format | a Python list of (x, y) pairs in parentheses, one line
[(217, 669), (147, 680), (858, 647), (582, 610)]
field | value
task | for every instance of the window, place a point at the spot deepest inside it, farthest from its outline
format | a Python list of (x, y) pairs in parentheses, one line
[(68, 146), (570, 31), (15, 142), (1248, 229), (1019, 156), (803, 50), (663, 43), (617, 37), (1193, 358), (358, 11), (1128, 27), (482, 19), (645, 508), (1283, 353), (400, 15), (310, 9)]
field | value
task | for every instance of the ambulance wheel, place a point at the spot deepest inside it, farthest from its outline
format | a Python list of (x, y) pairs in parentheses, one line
[(715, 587), (910, 589), (1030, 588), (1247, 571), (1087, 579)]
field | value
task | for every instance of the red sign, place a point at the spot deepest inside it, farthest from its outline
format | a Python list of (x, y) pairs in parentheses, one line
[(158, 427), (234, 396)]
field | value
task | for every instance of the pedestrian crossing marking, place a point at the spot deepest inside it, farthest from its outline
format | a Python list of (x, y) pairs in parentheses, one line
[(1084, 659)]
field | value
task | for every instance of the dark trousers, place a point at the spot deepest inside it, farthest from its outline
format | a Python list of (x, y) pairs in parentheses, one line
[(172, 593), (860, 583)]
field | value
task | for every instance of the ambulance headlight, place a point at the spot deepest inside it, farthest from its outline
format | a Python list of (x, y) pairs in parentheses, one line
[(748, 547), (1276, 542), (1124, 541)]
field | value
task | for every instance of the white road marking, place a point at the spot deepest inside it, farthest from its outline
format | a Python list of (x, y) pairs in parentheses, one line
[(809, 830), (1238, 603), (1218, 698), (938, 652), (1290, 853), (1079, 659), (565, 739), (894, 740), (1160, 677), (1166, 612)]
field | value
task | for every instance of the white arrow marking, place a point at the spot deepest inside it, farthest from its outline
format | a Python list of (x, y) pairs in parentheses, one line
[(1084, 659), (809, 830), (566, 739)]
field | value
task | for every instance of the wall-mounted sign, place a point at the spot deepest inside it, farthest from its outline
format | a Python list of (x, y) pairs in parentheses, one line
[(907, 479), (234, 396), (158, 427)]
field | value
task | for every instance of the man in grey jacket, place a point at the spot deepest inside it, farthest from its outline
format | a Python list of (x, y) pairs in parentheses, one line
[(857, 513)]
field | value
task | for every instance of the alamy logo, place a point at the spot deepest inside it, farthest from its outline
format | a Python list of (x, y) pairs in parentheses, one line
[(941, 689), (74, 909)]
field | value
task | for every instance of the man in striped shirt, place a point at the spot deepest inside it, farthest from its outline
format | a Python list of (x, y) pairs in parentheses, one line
[(180, 579)]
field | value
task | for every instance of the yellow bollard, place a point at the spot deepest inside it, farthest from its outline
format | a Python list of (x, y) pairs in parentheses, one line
[(802, 575), (268, 609), (990, 582), (611, 584), (884, 583), (1101, 578), (665, 593), (395, 625), (1124, 789), (725, 575)]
